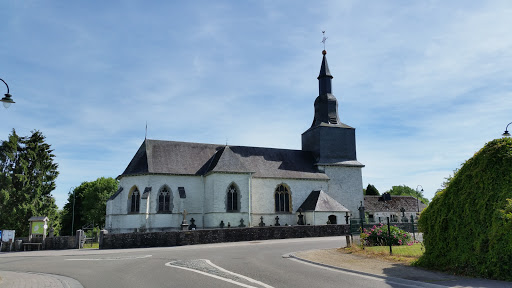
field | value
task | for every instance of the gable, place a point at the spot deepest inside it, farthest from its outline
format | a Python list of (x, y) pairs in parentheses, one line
[(319, 201)]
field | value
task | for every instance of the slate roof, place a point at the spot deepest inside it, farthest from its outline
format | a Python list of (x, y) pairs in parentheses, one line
[(119, 190), (319, 201), (409, 203), (185, 158)]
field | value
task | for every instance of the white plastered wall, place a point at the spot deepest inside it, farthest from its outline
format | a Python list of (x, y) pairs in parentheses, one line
[(345, 186), (216, 187), (120, 220), (262, 195)]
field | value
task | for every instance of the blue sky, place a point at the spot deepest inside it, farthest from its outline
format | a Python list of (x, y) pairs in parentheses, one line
[(425, 83)]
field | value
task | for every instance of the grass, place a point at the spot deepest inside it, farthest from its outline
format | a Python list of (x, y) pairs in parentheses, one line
[(404, 254), (415, 250), (92, 245)]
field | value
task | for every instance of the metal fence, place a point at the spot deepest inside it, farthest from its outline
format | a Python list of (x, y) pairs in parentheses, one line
[(357, 225)]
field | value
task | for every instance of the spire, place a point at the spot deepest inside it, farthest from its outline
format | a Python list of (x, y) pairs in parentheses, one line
[(326, 105), (324, 78)]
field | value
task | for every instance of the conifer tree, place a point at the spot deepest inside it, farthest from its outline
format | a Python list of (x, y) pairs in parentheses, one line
[(27, 179), (371, 190)]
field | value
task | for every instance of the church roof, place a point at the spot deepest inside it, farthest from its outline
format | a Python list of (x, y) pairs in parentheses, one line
[(319, 201), (377, 204), (185, 158)]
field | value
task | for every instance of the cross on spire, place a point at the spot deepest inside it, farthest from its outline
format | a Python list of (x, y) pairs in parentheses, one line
[(324, 38)]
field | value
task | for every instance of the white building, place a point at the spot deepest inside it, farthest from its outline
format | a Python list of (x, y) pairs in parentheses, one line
[(240, 185)]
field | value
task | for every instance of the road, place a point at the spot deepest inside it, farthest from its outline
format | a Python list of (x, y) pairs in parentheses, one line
[(241, 264)]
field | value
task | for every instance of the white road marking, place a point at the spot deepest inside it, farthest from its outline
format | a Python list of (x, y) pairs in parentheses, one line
[(111, 258), (170, 264)]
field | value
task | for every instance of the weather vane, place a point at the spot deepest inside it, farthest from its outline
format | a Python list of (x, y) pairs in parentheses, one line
[(324, 38)]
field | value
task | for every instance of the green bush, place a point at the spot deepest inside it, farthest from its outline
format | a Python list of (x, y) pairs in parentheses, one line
[(467, 226), (379, 236)]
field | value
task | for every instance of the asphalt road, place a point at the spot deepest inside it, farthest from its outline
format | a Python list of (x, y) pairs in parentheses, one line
[(241, 264)]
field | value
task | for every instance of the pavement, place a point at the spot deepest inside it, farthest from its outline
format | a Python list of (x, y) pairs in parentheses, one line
[(328, 258), (337, 259), (36, 280)]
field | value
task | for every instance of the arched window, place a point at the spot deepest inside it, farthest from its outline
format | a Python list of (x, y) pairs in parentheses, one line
[(135, 200), (164, 199), (232, 199), (282, 198)]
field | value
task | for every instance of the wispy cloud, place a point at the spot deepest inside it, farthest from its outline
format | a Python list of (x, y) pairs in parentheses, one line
[(425, 84)]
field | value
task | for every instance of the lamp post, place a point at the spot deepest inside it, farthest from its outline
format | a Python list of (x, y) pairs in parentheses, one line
[(506, 131), (418, 197), (73, 217), (7, 100)]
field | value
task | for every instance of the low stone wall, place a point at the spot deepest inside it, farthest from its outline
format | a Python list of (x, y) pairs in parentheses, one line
[(59, 243), (206, 236)]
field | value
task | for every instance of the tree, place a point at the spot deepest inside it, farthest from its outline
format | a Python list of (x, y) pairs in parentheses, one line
[(27, 178), (90, 200), (403, 190), (95, 199), (371, 190)]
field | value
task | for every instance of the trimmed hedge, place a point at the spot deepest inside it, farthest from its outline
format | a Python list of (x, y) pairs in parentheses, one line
[(467, 226)]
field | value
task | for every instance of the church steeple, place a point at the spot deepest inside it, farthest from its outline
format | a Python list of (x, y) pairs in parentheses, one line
[(326, 105), (330, 141)]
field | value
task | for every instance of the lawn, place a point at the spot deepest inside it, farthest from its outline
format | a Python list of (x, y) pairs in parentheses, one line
[(405, 254), (415, 250), (95, 245)]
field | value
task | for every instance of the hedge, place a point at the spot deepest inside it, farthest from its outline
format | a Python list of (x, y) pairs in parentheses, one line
[(467, 226)]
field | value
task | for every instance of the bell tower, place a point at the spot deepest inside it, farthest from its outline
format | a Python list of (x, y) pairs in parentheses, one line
[(332, 142)]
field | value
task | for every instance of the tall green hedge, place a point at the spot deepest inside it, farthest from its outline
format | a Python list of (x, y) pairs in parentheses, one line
[(467, 227)]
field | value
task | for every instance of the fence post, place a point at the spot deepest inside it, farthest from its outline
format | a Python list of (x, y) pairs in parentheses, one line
[(102, 238), (389, 238)]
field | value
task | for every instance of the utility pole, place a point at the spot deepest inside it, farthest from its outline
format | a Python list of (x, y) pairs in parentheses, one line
[(73, 217)]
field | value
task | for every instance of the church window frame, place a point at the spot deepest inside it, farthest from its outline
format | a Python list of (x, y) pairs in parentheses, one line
[(164, 200), (233, 198), (134, 200), (282, 199)]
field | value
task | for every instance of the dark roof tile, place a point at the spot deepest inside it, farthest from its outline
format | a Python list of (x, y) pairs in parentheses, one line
[(184, 158)]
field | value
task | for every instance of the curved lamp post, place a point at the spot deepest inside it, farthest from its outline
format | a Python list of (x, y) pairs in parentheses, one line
[(7, 100), (506, 131), (418, 197)]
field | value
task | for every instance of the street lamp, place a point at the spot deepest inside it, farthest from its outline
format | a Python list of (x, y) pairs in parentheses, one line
[(418, 197), (506, 131), (7, 100), (73, 217)]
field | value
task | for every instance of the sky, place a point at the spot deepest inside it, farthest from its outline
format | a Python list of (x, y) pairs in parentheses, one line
[(425, 83)]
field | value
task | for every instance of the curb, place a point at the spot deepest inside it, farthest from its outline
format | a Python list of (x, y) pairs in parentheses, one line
[(411, 283)]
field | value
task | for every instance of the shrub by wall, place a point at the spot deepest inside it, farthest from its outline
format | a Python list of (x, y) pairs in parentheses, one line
[(466, 228)]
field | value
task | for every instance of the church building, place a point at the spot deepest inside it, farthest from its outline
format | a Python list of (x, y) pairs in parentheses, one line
[(239, 186)]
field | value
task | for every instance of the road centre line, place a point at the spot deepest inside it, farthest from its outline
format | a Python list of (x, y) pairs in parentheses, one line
[(170, 264)]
